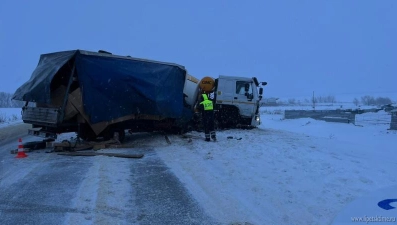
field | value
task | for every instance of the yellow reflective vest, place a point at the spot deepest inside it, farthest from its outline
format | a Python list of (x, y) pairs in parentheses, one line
[(208, 105)]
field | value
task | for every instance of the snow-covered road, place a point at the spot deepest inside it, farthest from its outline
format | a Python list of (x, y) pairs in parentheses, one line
[(46, 188)]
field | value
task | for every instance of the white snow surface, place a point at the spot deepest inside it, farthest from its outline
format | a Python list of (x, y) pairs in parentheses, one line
[(286, 171), (299, 171)]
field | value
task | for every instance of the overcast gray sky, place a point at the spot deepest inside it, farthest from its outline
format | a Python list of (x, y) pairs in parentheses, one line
[(344, 47)]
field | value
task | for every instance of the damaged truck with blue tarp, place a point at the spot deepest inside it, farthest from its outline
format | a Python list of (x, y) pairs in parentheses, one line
[(98, 94)]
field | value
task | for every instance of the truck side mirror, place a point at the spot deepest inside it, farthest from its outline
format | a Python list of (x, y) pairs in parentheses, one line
[(260, 91), (264, 83)]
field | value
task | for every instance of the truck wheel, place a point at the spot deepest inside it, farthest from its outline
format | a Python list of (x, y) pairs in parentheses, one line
[(86, 133), (228, 118), (245, 121)]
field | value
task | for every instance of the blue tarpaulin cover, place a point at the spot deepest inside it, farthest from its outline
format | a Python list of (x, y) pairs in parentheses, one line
[(112, 86)]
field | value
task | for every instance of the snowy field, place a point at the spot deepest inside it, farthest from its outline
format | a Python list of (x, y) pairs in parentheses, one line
[(286, 172), (9, 116), (321, 106), (366, 119), (299, 171)]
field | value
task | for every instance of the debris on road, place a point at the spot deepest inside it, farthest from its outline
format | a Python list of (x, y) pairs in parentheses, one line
[(167, 139), (78, 145), (15, 151), (66, 145), (231, 137), (72, 145), (135, 156)]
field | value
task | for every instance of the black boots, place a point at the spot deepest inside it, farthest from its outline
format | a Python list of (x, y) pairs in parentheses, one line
[(207, 137), (213, 135)]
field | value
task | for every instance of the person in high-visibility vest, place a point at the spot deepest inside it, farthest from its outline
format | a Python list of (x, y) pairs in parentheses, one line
[(207, 107)]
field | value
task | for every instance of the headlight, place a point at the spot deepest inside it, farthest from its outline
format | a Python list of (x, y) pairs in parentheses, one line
[(257, 118)]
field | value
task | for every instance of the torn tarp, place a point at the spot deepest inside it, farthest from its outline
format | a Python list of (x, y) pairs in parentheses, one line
[(112, 86), (37, 88)]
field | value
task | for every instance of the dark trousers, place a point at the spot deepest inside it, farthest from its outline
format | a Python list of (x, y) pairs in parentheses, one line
[(208, 123)]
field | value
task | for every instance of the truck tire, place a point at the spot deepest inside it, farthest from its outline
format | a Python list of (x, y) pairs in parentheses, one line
[(86, 133), (228, 118), (245, 121)]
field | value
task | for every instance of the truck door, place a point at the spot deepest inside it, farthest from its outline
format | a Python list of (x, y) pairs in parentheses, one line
[(242, 99)]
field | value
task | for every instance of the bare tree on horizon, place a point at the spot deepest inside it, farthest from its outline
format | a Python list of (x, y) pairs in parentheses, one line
[(7, 102)]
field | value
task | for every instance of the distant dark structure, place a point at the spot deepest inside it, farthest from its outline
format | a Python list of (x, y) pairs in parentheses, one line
[(269, 102), (393, 123), (338, 116)]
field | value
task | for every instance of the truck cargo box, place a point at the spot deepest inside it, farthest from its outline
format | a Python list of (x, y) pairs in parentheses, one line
[(112, 86), (102, 89)]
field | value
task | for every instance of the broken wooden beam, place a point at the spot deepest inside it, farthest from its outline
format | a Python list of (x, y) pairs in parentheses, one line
[(135, 156)]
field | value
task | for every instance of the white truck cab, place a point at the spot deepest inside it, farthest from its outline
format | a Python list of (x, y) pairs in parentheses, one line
[(237, 100)]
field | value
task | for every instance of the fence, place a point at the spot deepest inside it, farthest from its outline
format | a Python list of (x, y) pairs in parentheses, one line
[(380, 118), (341, 116), (357, 117), (393, 123)]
